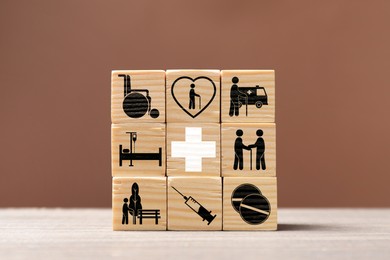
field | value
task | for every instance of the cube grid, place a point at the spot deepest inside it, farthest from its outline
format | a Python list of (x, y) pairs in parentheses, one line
[(193, 150)]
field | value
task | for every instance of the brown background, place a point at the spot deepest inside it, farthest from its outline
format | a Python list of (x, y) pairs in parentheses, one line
[(332, 61)]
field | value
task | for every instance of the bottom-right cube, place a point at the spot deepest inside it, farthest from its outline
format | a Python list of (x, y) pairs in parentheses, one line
[(249, 203)]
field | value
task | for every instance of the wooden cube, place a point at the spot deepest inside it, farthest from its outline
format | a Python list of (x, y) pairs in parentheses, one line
[(137, 96), (138, 149), (194, 203), (248, 96), (193, 149), (139, 203), (193, 96), (248, 149), (249, 203)]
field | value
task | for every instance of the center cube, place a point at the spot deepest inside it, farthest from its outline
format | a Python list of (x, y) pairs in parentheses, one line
[(193, 149)]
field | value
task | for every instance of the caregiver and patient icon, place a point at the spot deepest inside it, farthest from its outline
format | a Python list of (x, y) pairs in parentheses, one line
[(239, 147)]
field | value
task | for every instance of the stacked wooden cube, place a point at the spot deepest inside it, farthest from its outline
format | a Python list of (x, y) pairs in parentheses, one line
[(193, 150)]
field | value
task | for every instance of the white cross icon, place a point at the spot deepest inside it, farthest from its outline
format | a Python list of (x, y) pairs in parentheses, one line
[(193, 149)]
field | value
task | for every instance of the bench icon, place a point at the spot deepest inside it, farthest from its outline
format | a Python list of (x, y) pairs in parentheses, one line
[(148, 213), (145, 213)]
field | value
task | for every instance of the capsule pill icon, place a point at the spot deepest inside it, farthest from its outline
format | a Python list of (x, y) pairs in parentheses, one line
[(253, 207)]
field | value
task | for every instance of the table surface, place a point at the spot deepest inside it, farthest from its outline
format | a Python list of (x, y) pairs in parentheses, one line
[(303, 233)]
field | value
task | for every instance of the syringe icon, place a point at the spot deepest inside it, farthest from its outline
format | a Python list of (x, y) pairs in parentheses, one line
[(197, 208)]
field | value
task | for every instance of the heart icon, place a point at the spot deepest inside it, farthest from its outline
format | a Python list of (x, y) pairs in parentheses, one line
[(193, 95)]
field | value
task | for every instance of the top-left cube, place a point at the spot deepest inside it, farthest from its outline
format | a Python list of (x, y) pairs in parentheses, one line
[(137, 96)]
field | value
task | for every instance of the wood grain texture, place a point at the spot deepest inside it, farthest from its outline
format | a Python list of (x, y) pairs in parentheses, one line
[(151, 80), (150, 137), (181, 90), (152, 191), (228, 137), (176, 165), (205, 190), (232, 219), (320, 233), (248, 78)]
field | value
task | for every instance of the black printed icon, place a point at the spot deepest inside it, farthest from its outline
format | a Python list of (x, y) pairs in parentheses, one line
[(239, 148), (136, 102), (197, 208), (134, 208), (135, 202), (238, 151), (253, 207), (240, 96), (193, 94), (192, 98), (131, 155)]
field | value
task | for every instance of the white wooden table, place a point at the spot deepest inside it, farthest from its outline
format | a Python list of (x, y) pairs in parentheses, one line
[(303, 233)]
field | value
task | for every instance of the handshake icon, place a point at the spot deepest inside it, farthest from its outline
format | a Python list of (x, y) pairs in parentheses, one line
[(239, 148)]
